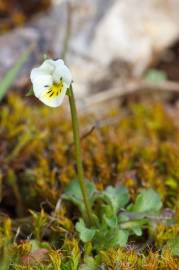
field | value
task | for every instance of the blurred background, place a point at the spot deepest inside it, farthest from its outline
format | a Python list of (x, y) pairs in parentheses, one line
[(114, 47)]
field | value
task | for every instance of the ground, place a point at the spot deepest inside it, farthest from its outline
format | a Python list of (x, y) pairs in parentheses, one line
[(135, 146)]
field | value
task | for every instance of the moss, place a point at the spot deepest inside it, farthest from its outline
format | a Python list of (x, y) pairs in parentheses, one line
[(138, 148)]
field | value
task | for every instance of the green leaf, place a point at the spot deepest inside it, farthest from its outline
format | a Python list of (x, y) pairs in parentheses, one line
[(121, 238), (30, 93), (111, 221), (156, 76), (106, 237), (137, 231), (89, 264), (147, 201), (86, 234), (134, 226), (10, 76), (73, 193), (118, 197), (74, 189)]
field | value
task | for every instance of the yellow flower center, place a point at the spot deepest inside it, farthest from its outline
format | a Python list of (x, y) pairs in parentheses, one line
[(55, 89)]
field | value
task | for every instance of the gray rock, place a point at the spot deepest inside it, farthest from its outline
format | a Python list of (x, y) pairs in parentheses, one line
[(136, 31)]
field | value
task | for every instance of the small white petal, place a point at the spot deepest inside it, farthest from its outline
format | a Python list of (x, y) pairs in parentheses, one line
[(62, 71), (35, 73), (48, 66), (54, 101), (41, 84)]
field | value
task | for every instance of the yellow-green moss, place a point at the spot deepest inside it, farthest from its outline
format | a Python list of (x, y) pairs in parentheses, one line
[(137, 149)]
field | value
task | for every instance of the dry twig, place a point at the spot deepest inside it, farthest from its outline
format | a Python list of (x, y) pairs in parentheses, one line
[(130, 88)]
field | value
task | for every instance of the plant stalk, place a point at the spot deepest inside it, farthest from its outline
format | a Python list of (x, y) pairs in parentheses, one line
[(76, 137)]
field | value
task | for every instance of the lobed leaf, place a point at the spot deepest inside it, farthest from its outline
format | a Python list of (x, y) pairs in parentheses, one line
[(147, 201), (73, 193), (86, 234), (118, 197)]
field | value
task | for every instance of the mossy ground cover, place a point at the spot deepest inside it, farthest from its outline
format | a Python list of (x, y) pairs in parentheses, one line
[(14, 13), (137, 147)]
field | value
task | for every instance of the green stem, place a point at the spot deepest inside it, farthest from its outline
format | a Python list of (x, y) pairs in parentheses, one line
[(76, 136)]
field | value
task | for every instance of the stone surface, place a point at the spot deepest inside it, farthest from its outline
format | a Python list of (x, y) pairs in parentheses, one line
[(136, 31), (109, 39), (46, 33)]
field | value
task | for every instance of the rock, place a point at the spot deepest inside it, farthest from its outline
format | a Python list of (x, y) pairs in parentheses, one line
[(110, 40), (46, 33), (136, 31)]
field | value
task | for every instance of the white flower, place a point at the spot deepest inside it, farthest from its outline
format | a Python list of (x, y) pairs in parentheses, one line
[(50, 82)]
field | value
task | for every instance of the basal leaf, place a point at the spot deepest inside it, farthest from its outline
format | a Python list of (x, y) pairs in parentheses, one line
[(89, 264), (117, 196), (137, 230), (106, 238), (121, 238), (111, 221), (134, 226), (147, 201), (73, 193), (74, 189), (86, 234)]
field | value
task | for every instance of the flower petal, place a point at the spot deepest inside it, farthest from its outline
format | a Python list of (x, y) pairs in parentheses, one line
[(41, 83), (35, 73), (54, 101), (48, 66), (62, 71)]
